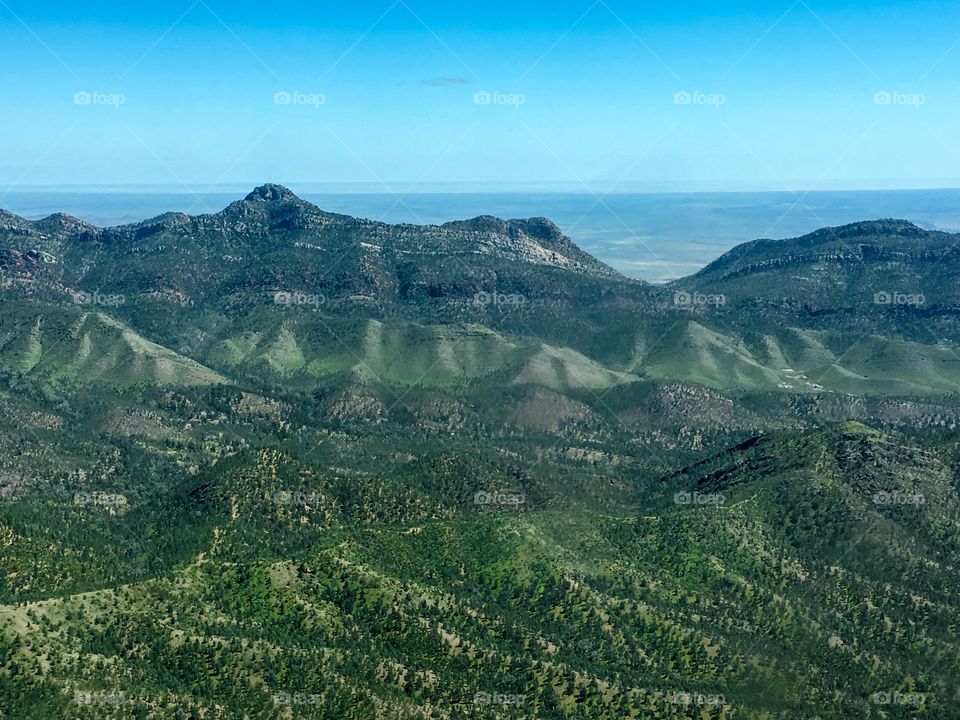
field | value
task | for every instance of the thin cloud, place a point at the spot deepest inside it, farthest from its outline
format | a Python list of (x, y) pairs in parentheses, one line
[(445, 81)]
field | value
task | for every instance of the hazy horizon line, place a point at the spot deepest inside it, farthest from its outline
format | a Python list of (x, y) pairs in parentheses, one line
[(493, 187)]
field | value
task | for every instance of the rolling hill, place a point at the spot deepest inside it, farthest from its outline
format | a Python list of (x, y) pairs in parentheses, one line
[(275, 462)]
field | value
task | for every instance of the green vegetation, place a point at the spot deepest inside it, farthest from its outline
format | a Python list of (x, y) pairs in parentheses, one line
[(468, 471)]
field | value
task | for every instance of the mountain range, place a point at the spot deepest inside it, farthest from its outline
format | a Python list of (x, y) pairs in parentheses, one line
[(278, 462)]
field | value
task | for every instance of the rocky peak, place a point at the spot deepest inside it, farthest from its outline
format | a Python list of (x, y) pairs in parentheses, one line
[(539, 228), (869, 228), (523, 235), (266, 209), (271, 193), (9, 221), (62, 223)]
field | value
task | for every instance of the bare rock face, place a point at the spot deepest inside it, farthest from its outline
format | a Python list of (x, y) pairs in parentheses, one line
[(271, 193)]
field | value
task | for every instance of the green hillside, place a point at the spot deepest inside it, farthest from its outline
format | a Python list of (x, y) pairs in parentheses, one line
[(275, 462)]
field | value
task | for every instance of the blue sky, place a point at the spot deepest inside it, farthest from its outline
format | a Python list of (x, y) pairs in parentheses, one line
[(410, 94)]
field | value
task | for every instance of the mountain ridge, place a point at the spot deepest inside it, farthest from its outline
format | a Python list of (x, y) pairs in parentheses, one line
[(847, 230), (274, 212), (272, 209)]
